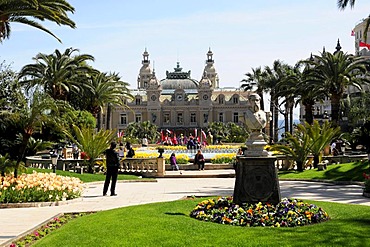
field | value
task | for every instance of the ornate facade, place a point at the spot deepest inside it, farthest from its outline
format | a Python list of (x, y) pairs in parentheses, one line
[(179, 102)]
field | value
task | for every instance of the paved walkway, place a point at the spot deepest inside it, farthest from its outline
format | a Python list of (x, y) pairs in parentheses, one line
[(17, 221)]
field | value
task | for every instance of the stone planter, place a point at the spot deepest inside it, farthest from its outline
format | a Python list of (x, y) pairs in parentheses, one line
[(366, 194)]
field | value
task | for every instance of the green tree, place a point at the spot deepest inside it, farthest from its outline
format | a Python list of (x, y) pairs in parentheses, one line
[(30, 11), (104, 89), (320, 137), (255, 81), (58, 73), (91, 142), (297, 147), (30, 118), (236, 133), (143, 129), (274, 76), (336, 72), (11, 96)]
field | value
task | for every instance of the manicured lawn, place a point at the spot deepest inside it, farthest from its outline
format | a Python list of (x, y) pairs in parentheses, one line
[(169, 224), (86, 177), (340, 172)]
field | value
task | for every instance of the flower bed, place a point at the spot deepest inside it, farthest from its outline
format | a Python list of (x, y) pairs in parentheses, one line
[(52, 225), (287, 213), (223, 158), (39, 187), (366, 183)]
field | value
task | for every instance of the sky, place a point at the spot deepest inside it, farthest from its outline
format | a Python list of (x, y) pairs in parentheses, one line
[(242, 35)]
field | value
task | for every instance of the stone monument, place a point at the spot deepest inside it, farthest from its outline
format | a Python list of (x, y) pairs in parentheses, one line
[(256, 177)]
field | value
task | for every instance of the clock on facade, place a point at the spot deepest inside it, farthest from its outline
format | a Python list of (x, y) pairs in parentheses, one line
[(179, 97), (205, 97), (153, 97)]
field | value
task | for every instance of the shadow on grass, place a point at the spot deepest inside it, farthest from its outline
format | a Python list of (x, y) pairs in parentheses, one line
[(176, 214)]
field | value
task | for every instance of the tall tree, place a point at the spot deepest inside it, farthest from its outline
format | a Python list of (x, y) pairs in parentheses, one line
[(336, 72), (255, 82), (29, 11), (58, 73), (274, 75), (31, 117), (103, 89), (144, 129)]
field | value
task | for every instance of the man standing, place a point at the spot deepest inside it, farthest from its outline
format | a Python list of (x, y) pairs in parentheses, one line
[(112, 162)]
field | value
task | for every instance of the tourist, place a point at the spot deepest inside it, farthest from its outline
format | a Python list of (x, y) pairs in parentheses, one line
[(199, 160), (145, 142), (121, 151), (130, 152), (173, 162), (112, 163), (75, 151)]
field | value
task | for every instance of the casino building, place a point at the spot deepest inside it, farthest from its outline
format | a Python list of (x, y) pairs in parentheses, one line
[(179, 102)]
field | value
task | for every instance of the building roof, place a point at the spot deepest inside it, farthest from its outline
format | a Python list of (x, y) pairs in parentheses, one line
[(178, 80)]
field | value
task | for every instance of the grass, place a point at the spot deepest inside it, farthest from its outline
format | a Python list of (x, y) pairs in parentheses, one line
[(169, 224), (341, 172), (87, 177)]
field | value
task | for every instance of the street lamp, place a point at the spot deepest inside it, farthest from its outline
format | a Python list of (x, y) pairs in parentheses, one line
[(54, 160)]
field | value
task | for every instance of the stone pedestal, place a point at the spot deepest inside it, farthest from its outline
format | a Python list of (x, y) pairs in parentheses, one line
[(256, 180)]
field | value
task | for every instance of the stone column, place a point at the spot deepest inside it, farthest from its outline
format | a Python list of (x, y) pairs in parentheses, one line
[(161, 170)]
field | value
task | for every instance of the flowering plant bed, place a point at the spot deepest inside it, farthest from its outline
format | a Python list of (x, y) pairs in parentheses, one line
[(41, 232), (287, 213), (39, 187)]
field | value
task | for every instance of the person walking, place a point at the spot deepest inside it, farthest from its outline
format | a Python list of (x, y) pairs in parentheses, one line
[(112, 162), (173, 162), (199, 160)]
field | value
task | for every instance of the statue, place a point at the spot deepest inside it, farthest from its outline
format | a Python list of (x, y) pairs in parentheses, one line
[(255, 119)]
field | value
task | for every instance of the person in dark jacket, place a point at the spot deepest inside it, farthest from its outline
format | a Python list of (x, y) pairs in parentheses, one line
[(199, 160), (112, 162)]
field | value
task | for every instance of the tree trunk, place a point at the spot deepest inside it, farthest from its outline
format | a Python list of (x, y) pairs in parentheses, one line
[(272, 120), (286, 118), (316, 161), (22, 151), (309, 115), (291, 116), (299, 166), (109, 113), (335, 106), (276, 120)]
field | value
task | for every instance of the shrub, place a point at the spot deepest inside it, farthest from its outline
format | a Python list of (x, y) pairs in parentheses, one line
[(223, 158)]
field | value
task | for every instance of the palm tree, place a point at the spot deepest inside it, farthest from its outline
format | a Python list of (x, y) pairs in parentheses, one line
[(144, 129), (296, 149), (92, 143), (321, 136), (57, 74), (31, 117), (102, 89), (21, 12), (254, 81), (342, 4), (336, 72), (274, 76)]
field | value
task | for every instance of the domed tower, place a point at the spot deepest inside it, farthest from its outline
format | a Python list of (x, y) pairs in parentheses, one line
[(210, 70), (145, 73)]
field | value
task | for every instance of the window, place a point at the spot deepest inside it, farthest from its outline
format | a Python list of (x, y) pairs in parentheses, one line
[(138, 117), (145, 84), (166, 118), (193, 118), (220, 99), (138, 101), (236, 117), (123, 119), (235, 100), (180, 118), (221, 117)]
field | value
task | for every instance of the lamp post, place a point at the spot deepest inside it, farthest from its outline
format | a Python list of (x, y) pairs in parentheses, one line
[(54, 160)]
